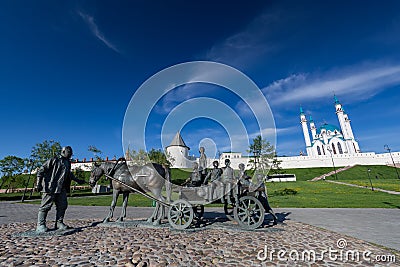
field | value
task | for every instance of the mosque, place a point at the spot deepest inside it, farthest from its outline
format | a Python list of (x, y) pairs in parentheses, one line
[(329, 138)]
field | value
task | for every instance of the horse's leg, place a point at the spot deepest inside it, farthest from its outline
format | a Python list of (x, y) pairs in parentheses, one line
[(153, 216), (124, 204), (112, 207), (160, 211)]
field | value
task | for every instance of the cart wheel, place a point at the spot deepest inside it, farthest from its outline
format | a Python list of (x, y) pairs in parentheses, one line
[(249, 213), (198, 211), (229, 211), (180, 214)]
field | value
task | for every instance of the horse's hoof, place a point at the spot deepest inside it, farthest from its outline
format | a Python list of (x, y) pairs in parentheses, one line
[(120, 219), (150, 220), (156, 222), (106, 220)]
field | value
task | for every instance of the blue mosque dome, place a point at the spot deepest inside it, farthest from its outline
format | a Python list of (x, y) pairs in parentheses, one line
[(328, 127)]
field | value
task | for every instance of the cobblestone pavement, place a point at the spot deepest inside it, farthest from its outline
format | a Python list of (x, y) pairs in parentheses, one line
[(94, 245)]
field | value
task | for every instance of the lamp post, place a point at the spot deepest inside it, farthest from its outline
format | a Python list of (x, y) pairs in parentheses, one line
[(333, 163), (394, 164), (369, 177)]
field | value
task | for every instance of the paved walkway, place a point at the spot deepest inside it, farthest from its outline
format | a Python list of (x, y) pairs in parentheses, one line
[(365, 187), (379, 226)]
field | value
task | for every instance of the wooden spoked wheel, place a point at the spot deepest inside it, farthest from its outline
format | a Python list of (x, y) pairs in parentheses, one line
[(249, 213), (180, 214)]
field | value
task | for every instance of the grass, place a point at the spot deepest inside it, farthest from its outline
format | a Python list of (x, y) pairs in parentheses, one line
[(322, 194), (384, 177), (308, 173)]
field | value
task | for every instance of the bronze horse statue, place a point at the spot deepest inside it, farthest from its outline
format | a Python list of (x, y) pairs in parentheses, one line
[(147, 178)]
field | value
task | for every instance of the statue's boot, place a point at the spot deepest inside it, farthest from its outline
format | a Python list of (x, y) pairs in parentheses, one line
[(274, 216), (41, 223), (60, 225)]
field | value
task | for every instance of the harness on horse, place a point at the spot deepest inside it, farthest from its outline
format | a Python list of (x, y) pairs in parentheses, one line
[(114, 168)]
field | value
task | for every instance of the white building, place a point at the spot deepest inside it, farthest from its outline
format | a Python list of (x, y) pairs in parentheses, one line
[(178, 153), (330, 139)]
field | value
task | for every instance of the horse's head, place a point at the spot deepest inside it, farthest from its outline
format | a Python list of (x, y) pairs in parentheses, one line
[(96, 174)]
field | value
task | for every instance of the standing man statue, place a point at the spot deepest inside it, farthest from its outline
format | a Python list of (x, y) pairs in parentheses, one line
[(214, 176), (203, 161), (228, 180), (54, 180)]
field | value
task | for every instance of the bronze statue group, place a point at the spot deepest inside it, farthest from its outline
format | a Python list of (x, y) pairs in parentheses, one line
[(55, 176)]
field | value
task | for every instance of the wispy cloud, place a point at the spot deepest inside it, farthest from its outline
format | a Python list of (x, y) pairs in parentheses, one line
[(247, 44), (89, 20), (362, 82)]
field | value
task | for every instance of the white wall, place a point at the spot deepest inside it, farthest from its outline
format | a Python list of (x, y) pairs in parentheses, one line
[(340, 160)]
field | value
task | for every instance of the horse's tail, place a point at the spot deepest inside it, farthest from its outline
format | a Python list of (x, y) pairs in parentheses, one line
[(168, 190)]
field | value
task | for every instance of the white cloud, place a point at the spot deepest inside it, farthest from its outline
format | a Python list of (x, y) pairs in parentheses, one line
[(360, 81), (89, 20), (248, 44)]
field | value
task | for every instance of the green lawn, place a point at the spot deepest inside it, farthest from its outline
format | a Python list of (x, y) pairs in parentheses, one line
[(360, 172), (387, 184), (322, 194), (308, 173), (384, 177)]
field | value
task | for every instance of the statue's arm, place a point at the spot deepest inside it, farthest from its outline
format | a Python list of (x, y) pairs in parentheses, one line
[(41, 173), (72, 176), (207, 177)]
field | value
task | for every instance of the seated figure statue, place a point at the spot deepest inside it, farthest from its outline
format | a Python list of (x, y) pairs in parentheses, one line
[(195, 177), (247, 186)]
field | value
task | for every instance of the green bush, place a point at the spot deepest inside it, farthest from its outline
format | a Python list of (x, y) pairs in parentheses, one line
[(285, 192)]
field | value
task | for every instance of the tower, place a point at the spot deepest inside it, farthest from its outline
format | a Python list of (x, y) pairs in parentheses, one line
[(178, 152), (313, 129), (306, 134), (344, 121)]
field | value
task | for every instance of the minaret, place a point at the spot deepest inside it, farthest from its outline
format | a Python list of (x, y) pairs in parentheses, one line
[(351, 135), (345, 127), (340, 114), (303, 122), (313, 129)]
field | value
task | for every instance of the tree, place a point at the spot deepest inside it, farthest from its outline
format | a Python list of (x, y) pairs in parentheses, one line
[(276, 165), (44, 151), (157, 156), (139, 157), (10, 166), (142, 157), (263, 153), (95, 152)]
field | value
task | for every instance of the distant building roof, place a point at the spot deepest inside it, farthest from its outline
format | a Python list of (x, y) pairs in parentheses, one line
[(178, 141)]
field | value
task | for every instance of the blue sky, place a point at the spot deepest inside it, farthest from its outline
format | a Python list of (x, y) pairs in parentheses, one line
[(69, 69)]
